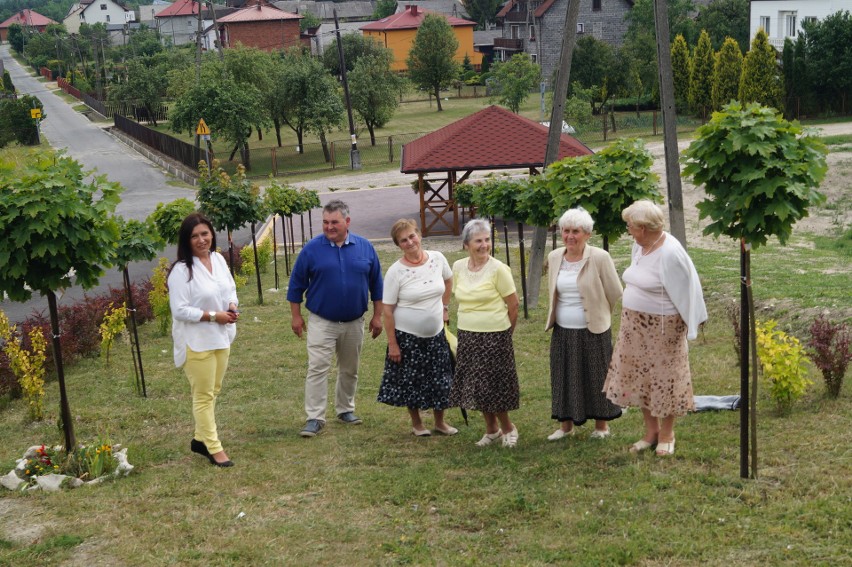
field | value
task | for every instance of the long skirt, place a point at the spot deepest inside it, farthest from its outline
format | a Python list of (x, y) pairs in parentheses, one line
[(650, 365), (423, 377), (578, 366), (486, 379)]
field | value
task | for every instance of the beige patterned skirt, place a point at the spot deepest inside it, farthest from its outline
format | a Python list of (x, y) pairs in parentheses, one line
[(649, 368)]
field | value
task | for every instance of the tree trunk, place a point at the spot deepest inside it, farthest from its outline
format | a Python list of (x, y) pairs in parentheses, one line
[(64, 408), (277, 124), (256, 265), (372, 131), (325, 151), (246, 153), (134, 335), (299, 141), (438, 97)]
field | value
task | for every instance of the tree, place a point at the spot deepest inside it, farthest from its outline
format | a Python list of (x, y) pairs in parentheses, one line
[(56, 229), (355, 46), (373, 90), (384, 8), (309, 21), (513, 80), (760, 175), (16, 38), (760, 80), (723, 19), (483, 12), (680, 69), (595, 66), (16, 122), (307, 98), (167, 218), (640, 19), (701, 76), (726, 73), (143, 42), (604, 184), (142, 87), (231, 110), (829, 59), (431, 63)]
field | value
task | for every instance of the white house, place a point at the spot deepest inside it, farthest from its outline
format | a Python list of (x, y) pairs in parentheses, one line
[(784, 18), (97, 12)]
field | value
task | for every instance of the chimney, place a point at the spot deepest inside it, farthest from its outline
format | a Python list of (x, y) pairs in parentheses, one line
[(413, 10)]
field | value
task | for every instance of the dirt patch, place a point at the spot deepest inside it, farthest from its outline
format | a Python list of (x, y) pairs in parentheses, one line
[(20, 523)]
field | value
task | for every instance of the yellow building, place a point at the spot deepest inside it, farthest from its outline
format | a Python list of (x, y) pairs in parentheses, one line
[(397, 33)]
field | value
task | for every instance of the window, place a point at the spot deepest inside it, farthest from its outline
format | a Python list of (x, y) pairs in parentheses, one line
[(580, 27), (764, 23), (790, 25), (516, 32), (596, 5), (107, 18), (103, 7), (532, 33), (808, 20), (534, 57)]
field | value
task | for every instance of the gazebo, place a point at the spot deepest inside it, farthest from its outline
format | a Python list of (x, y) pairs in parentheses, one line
[(492, 138)]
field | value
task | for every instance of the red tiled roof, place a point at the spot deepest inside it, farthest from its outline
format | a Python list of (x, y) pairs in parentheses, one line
[(410, 20), (258, 13), (27, 17), (179, 8), (492, 138), (540, 11)]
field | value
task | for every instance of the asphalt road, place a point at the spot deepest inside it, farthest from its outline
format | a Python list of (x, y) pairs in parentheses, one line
[(144, 184)]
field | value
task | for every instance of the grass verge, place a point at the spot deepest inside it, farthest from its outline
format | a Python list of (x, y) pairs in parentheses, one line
[(375, 495)]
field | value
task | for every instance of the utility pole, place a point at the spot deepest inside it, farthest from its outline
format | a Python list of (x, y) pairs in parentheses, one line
[(557, 114), (354, 155), (664, 62), (198, 46)]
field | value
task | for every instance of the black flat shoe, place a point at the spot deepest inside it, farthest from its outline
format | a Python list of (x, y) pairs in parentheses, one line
[(223, 464), (199, 447)]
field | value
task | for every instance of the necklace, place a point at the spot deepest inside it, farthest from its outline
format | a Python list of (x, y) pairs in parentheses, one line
[(420, 259), (651, 248)]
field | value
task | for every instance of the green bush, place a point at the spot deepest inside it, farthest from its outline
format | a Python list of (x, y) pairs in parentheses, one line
[(264, 257)]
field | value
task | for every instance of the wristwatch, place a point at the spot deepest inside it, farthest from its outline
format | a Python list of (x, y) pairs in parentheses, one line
[(212, 315)]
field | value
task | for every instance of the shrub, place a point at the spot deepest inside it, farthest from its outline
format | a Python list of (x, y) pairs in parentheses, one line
[(264, 258), (784, 364), (158, 297), (238, 258), (111, 327), (26, 364), (829, 351)]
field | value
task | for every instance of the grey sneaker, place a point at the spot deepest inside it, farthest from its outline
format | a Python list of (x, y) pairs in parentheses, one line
[(349, 418), (312, 428)]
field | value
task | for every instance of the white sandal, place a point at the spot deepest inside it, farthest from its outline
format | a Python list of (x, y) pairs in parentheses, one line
[(640, 446), (560, 433), (666, 449), (489, 438), (510, 439)]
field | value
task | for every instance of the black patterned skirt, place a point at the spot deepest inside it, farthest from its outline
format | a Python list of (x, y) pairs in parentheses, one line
[(578, 363), (423, 378), (486, 379)]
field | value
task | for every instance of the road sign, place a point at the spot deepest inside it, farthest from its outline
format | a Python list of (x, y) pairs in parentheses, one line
[(203, 129), (35, 113), (205, 137)]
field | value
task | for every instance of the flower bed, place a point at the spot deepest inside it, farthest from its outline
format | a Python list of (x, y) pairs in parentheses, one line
[(51, 469)]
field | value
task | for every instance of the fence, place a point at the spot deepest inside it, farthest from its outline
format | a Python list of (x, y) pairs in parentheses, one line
[(611, 125), (69, 88), (187, 154)]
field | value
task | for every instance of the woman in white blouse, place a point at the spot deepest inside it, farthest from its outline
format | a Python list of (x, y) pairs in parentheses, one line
[(418, 372), (663, 306), (583, 288), (203, 299)]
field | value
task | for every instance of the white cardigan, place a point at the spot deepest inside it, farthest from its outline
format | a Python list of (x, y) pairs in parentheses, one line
[(191, 299), (680, 280)]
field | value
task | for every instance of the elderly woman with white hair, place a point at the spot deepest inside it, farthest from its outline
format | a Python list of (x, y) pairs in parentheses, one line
[(583, 288), (663, 306), (485, 379)]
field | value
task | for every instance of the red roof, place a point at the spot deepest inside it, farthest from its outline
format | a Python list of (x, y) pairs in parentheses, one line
[(492, 138), (258, 13), (27, 17), (179, 8), (411, 18)]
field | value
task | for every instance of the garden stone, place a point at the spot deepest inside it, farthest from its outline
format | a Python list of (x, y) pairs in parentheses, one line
[(124, 467), (12, 481), (51, 482)]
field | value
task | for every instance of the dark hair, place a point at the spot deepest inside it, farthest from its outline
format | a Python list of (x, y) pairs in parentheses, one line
[(184, 246)]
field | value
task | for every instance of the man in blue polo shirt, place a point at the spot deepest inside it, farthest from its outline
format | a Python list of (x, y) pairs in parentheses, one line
[(337, 271)]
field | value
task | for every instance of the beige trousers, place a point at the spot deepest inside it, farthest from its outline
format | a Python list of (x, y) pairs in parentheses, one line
[(325, 339)]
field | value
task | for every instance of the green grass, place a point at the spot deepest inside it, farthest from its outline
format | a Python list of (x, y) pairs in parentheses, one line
[(375, 495)]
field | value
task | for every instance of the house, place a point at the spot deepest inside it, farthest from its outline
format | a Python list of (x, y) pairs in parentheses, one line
[(351, 16), (536, 27), (781, 19), (147, 12), (452, 8), (96, 12), (261, 25), (178, 22), (26, 18), (397, 33)]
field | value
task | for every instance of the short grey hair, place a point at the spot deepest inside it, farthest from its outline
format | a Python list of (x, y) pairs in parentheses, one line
[(337, 206), (645, 214), (474, 226), (577, 218)]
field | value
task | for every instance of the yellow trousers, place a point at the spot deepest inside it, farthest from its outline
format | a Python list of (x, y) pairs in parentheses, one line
[(205, 371)]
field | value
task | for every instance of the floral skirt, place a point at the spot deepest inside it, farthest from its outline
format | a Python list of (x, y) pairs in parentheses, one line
[(423, 377), (650, 365), (578, 366), (485, 378)]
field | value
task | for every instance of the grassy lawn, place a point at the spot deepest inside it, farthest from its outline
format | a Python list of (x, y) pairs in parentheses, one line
[(376, 495)]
